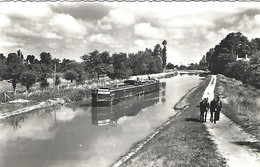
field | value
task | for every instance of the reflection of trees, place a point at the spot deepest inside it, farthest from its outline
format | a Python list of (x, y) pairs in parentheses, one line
[(43, 113), (110, 115), (15, 122)]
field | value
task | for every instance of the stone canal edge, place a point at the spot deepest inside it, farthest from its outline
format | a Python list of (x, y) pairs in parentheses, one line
[(181, 141)]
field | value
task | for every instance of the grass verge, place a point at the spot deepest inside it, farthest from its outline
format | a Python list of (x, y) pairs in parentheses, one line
[(241, 103)]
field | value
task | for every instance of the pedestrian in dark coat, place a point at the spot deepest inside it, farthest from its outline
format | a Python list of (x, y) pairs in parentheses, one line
[(212, 109), (204, 106), (218, 106)]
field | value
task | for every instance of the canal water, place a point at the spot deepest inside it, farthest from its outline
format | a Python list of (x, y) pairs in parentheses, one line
[(77, 135)]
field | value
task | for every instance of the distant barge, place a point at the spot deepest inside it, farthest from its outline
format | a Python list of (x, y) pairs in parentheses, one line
[(130, 89)]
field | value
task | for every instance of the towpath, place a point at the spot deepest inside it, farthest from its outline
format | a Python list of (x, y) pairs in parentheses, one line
[(235, 145)]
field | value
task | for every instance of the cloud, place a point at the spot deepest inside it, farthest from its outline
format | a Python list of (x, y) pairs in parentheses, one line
[(118, 18), (25, 10), (5, 21), (257, 19), (146, 31), (101, 39), (66, 25), (190, 22)]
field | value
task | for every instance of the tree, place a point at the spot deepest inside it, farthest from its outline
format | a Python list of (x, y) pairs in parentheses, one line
[(13, 69), (97, 64), (63, 65), (237, 70), (209, 55), (255, 45), (2, 64), (156, 65), (138, 63), (43, 81), (121, 66), (164, 56), (45, 59), (2, 57), (71, 75), (170, 66), (28, 79), (235, 44), (30, 59), (20, 54)]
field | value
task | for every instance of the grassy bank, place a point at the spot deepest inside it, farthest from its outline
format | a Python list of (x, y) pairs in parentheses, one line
[(241, 103), (183, 142)]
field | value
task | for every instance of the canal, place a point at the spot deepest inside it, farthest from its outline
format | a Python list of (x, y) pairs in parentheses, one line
[(77, 135)]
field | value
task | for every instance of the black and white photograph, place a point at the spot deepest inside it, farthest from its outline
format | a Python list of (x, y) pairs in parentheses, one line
[(129, 84)]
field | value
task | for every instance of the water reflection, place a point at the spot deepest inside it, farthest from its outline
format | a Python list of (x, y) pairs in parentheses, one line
[(110, 115)]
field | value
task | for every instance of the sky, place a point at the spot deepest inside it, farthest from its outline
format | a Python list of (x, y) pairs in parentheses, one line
[(70, 30)]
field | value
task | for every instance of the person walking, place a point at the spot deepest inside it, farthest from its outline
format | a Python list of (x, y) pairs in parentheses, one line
[(204, 106), (212, 109), (218, 106)]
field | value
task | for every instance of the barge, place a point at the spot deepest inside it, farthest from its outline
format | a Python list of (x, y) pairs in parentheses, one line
[(128, 108), (130, 89)]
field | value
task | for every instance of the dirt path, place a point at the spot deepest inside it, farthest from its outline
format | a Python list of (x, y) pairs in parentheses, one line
[(234, 144)]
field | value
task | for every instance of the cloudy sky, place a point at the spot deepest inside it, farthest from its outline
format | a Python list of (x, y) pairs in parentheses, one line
[(69, 30)]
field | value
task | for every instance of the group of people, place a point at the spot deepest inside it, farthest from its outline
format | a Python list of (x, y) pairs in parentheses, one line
[(214, 106)]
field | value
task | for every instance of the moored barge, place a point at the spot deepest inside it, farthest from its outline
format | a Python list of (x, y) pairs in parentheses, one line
[(131, 88)]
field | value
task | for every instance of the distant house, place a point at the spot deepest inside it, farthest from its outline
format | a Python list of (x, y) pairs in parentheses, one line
[(244, 58)]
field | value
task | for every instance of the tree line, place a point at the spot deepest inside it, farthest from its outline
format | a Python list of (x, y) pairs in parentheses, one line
[(15, 68), (237, 57)]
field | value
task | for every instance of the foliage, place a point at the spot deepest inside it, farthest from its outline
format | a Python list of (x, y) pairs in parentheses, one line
[(45, 58), (170, 66), (247, 72), (43, 81), (57, 80), (97, 64), (70, 75), (164, 50), (30, 59), (28, 79), (196, 66), (223, 58), (12, 69), (121, 67), (235, 44)]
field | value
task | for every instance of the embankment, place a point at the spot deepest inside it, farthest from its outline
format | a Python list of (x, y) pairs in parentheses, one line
[(241, 103)]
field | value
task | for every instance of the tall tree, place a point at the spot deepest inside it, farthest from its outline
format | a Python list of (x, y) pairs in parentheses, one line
[(20, 54), (164, 56)]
